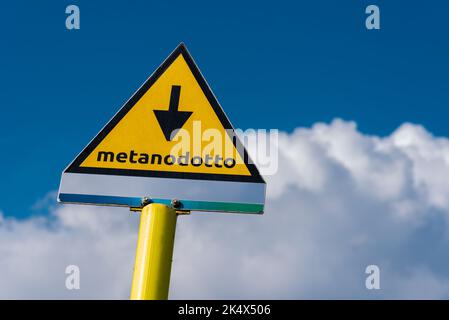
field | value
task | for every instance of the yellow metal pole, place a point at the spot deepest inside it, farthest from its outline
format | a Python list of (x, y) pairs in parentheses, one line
[(151, 278)]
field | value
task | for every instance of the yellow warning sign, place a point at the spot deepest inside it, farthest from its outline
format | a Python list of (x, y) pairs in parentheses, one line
[(172, 126)]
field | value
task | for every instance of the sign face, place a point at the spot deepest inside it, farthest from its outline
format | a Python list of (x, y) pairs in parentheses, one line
[(171, 140)]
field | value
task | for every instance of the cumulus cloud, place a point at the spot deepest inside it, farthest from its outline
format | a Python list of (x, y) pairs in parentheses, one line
[(340, 201), (36, 251)]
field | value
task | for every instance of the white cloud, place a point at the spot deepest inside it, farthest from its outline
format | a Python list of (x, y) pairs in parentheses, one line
[(341, 200), (35, 252)]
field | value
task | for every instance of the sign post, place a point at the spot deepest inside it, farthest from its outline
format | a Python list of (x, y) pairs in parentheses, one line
[(170, 149), (152, 267)]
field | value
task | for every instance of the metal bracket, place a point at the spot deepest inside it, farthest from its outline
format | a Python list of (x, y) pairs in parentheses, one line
[(175, 204)]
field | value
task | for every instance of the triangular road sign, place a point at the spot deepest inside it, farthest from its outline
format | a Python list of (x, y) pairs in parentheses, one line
[(171, 140)]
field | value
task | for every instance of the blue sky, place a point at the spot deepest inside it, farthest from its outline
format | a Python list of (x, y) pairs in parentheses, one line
[(271, 64)]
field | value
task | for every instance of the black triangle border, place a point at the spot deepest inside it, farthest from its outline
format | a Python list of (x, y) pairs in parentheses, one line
[(75, 167)]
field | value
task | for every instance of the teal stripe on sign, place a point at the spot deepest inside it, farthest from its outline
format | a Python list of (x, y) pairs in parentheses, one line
[(94, 199), (225, 206), (185, 204)]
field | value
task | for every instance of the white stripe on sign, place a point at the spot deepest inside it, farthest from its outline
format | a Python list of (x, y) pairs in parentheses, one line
[(164, 188)]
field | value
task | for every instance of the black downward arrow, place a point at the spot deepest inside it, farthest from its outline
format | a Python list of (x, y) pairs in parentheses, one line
[(172, 119)]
